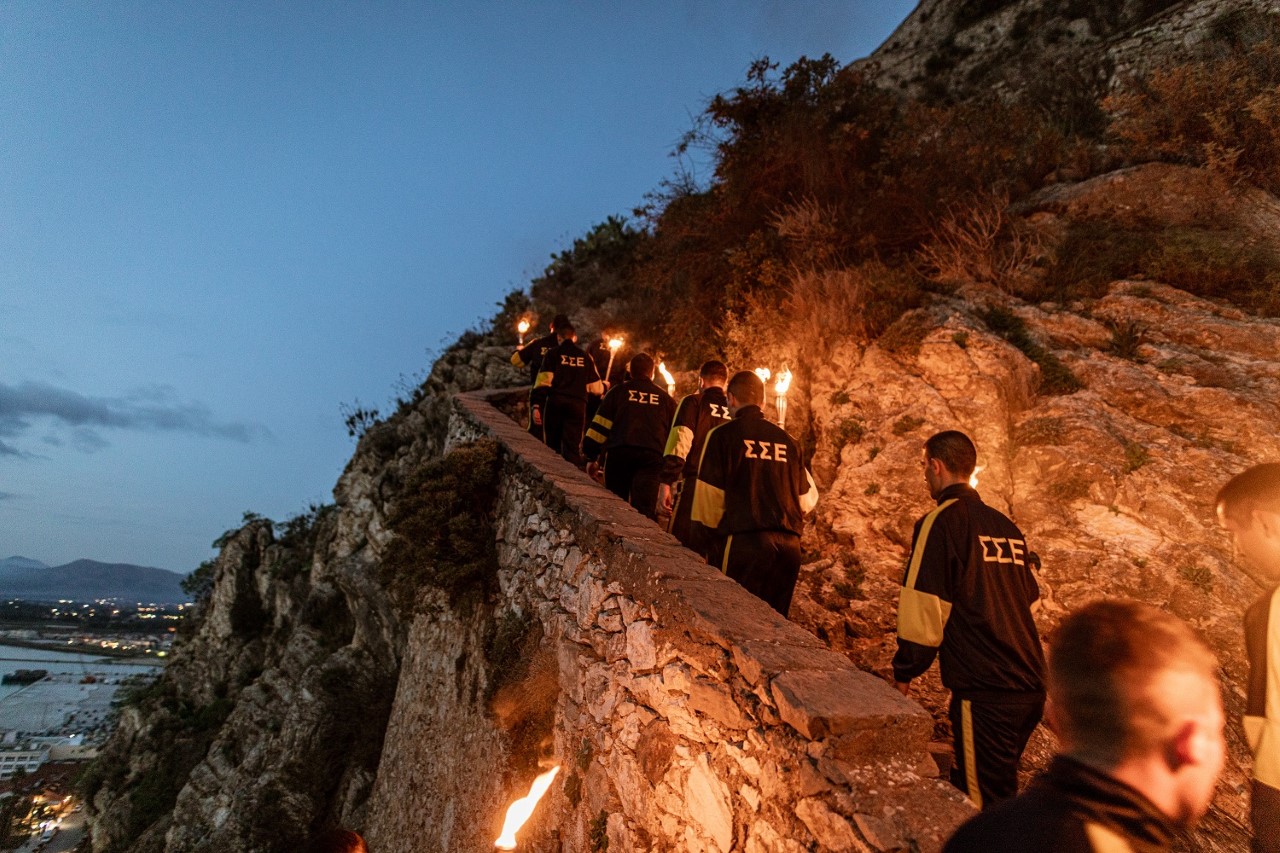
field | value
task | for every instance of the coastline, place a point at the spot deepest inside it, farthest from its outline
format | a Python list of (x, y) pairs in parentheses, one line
[(84, 650)]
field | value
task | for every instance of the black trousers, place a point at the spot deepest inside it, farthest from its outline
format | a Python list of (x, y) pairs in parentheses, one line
[(565, 419), (766, 562), (1264, 812), (696, 537), (634, 474), (990, 733)]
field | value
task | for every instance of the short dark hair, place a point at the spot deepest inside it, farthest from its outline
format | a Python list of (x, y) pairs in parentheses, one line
[(1248, 490), (566, 331), (641, 364), (747, 388), (714, 370), (560, 321), (954, 450), (1105, 662)]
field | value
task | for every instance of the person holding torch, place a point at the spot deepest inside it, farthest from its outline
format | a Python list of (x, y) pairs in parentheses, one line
[(531, 356)]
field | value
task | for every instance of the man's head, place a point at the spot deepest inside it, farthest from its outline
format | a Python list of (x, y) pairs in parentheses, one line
[(1249, 509), (745, 389), (713, 374), (559, 321), (1134, 693), (566, 332), (949, 457), (641, 365)]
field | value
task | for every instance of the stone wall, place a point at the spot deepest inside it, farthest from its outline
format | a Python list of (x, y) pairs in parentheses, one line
[(689, 715)]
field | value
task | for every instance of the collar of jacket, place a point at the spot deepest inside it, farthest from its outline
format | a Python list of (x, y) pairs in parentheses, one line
[(1110, 802), (957, 490), (748, 413)]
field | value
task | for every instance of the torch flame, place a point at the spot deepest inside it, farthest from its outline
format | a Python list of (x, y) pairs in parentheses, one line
[(783, 383), (667, 377), (615, 344), (520, 811), (973, 478), (522, 326), (764, 373)]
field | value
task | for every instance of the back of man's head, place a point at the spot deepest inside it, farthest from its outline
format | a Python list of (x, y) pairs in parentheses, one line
[(954, 450), (641, 365), (1130, 684), (559, 321), (747, 388), (566, 332), (1256, 488), (713, 373)]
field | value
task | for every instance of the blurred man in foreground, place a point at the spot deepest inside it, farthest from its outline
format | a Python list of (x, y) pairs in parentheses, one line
[(1135, 701), (1249, 509)]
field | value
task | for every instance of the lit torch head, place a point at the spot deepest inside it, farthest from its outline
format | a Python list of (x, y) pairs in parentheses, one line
[(667, 377), (522, 327), (784, 382), (973, 478), (764, 373), (522, 809), (615, 344)]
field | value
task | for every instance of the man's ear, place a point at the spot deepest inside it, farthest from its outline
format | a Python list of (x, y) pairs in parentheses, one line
[(1186, 747)]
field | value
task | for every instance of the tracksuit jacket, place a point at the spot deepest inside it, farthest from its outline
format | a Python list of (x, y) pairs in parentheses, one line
[(751, 477), (1262, 717), (968, 596), (1071, 808), (633, 414), (696, 416)]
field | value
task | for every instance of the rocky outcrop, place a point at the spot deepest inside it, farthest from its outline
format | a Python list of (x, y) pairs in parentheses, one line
[(959, 48)]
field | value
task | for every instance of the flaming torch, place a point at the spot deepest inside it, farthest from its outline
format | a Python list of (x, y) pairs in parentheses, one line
[(973, 478), (615, 344), (520, 811), (670, 380), (522, 327), (780, 388), (764, 373)]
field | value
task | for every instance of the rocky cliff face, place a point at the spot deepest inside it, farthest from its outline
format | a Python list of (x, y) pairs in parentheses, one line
[(958, 48)]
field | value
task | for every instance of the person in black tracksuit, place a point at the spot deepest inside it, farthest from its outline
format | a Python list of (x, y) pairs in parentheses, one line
[(531, 356), (697, 415), (753, 491), (570, 375), (967, 597), (1135, 701), (1248, 507), (630, 426)]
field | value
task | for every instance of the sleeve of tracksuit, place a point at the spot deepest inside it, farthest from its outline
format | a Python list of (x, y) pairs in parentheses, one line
[(713, 474), (680, 439), (924, 602), (601, 425), (524, 356)]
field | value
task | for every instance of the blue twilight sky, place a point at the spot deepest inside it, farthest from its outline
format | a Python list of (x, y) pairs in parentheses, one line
[(219, 221)]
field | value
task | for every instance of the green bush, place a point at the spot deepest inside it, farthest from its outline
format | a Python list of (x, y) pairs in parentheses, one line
[(1055, 377)]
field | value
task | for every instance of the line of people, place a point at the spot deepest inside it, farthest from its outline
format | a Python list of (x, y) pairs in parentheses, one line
[(1133, 695)]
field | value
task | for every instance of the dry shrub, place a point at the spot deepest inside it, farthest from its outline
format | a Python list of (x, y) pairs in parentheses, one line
[(978, 241), (1222, 112)]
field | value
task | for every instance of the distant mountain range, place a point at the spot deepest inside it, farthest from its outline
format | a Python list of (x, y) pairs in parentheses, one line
[(89, 580)]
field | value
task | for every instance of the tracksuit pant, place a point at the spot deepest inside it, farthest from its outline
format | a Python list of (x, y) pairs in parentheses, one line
[(634, 474), (565, 420), (990, 731), (766, 562)]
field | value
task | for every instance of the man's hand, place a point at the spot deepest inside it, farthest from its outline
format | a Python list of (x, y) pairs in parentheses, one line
[(593, 471), (665, 499), (904, 687)]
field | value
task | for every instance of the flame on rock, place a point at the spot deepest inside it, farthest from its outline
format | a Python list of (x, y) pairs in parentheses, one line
[(520, 811), (667, 377), (973, 478)]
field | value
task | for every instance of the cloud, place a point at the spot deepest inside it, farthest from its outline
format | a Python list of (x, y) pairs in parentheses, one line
[(151, 409), (7, 496)]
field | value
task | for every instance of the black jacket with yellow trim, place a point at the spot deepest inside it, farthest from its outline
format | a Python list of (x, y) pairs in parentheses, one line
[(569, 372), (968, 595), (696, 416), (633, 414), (1262, 698), (532, 354), (751, 477), (1072, 808)]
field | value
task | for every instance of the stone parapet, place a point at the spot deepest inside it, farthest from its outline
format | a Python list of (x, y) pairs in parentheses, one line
[(691, 715)]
